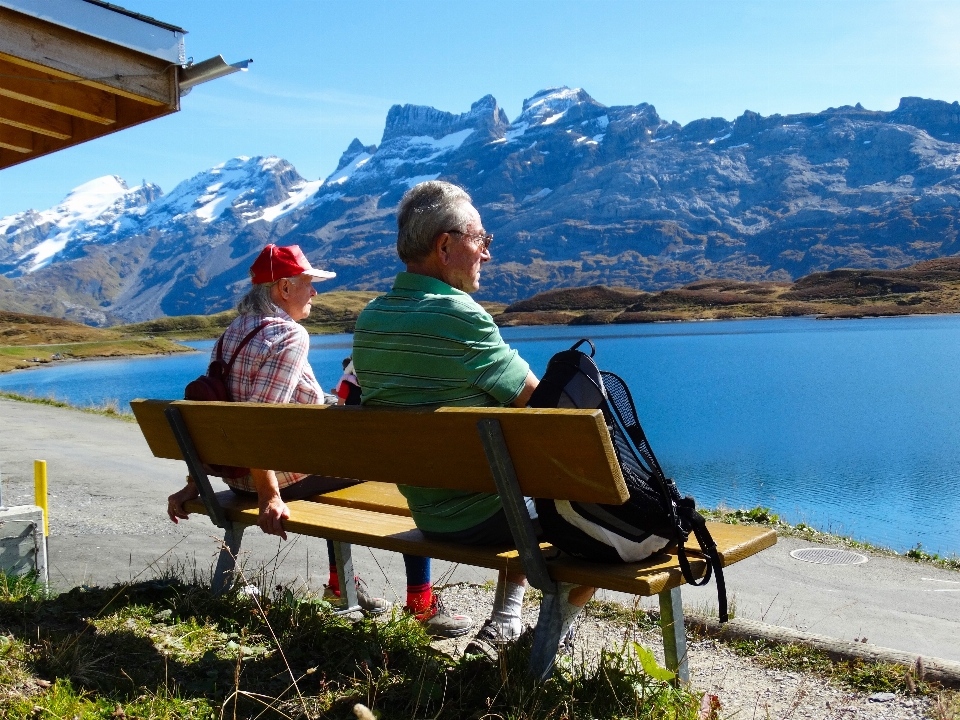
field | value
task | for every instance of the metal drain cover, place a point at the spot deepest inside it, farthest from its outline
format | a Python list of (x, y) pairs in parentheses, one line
[(828, 556)]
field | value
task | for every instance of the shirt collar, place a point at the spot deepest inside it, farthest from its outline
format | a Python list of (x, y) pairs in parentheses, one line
[(425, 284), (281, 313)]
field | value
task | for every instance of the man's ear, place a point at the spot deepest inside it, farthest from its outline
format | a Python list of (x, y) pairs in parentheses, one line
[(443, 248)]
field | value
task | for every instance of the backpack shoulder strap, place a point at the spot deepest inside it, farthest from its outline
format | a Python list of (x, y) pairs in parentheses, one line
[(243, 343), (219, 347), (682, 510)]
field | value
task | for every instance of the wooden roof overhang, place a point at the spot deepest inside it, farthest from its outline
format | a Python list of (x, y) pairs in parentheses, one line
[(61, 86)]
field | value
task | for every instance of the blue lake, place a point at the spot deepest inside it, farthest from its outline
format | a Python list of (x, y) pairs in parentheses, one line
[(850, 426)]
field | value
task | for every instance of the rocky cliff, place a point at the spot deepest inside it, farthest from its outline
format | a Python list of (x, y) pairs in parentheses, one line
[(577, 194)]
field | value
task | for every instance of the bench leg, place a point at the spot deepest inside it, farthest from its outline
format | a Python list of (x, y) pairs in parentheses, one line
[(674, 634), (547, 634), (348, 586), (226, 563), (546, 637)]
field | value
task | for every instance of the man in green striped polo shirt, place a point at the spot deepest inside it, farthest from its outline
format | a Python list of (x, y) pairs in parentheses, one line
[(427, 343)]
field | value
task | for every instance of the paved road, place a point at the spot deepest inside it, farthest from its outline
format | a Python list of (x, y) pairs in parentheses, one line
[(107, 524)]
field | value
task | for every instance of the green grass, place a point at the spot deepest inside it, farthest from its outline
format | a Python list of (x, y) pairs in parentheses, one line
[(619, 614), (333, 312), (63, 700), (14, 357), (109, 409), (766, 517), (184, 327), (168, 648), (854, 674), (946, 706)]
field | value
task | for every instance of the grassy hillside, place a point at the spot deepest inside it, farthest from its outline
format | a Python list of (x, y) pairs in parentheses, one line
[(929, 287), (333, 312), (30, 340), (182, 327), (932, 286), (20, 329)]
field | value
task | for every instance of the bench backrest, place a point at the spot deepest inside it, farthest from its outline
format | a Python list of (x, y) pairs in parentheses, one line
[(559, 454)]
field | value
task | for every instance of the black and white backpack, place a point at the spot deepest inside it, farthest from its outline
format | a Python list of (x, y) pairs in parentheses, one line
[(655, 518)]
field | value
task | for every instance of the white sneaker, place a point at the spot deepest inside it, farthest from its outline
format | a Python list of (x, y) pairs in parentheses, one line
[(504, 629)]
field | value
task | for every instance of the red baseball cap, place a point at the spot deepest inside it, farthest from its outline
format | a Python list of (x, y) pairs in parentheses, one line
[(275, 262)]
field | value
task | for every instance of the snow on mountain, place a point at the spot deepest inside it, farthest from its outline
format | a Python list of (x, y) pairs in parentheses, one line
[(34, 239), (300, 195), (409, 152), (578, 193), (440, 146), (106, 210), (343, 174), (241, 184), (551, 105), (417, 144)]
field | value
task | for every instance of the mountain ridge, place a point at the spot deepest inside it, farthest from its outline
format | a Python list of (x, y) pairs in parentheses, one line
[(576, 192)]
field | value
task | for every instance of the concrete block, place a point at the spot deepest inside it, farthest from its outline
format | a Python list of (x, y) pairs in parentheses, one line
[(22, 549)]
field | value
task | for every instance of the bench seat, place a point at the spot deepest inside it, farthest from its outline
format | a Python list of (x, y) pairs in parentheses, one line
[(355, 515)]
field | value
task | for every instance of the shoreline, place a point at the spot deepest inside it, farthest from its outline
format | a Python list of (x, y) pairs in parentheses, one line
[(666, 321), (35, 355), (93, 358), (681, 320), (103, 410)]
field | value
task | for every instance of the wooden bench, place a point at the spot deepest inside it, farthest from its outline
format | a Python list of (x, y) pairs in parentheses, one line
[(558, 454)]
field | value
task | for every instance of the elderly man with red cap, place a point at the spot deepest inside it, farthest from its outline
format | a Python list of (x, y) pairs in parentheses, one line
[(270, 348)]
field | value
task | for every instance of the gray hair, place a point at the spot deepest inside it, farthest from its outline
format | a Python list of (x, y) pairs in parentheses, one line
[(257, 301), (426, 211)]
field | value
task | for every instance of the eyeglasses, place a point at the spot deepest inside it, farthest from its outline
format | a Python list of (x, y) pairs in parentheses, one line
[(483, 238)]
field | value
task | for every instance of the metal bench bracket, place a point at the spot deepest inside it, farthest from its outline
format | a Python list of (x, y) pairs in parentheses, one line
[(189, 452), (348, 586), (674, 633), (546, 637), (223, 576)]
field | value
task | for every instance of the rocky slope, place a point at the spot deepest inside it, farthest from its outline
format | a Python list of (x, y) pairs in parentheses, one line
[(929, 287), (577, 193)]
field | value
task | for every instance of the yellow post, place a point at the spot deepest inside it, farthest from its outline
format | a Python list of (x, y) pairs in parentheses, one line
[(40, 491)]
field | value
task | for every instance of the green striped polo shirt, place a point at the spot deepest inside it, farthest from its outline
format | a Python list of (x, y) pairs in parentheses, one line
[(427, 344)]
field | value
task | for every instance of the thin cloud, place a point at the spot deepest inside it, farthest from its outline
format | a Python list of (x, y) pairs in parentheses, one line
[(269, 88)]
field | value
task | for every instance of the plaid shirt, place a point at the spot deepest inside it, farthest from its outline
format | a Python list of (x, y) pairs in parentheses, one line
[(272, 368)]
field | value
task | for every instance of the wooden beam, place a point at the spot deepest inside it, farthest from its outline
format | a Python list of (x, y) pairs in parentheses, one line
[(16, 139), (59, 94), (134, 112), (44, 46), (129, 113), (35, 119)]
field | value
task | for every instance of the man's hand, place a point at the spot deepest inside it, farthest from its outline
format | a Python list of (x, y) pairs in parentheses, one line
[(273, 511), (176, 501)]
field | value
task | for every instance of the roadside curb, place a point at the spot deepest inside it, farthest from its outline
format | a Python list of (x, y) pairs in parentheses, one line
[(943, 671)]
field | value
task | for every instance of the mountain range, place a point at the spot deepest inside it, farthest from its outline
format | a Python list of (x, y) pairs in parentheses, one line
[(577, 193)]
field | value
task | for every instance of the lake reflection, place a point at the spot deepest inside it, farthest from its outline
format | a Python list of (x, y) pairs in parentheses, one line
[(852, 426)]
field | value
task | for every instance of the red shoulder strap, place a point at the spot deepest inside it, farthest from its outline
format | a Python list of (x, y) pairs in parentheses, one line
[(243, 343)]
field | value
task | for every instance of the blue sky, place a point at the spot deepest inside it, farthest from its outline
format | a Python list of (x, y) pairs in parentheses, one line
[(327, 71)]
